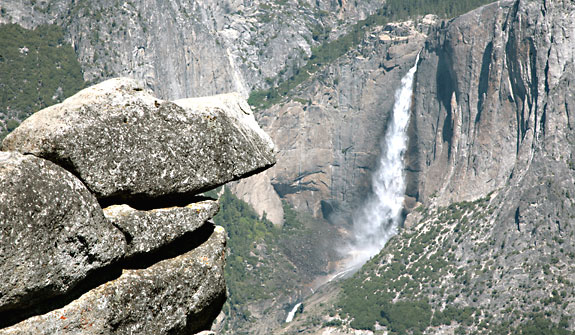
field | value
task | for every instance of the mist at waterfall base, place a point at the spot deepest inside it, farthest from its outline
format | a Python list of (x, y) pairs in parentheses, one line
[(378, 219)]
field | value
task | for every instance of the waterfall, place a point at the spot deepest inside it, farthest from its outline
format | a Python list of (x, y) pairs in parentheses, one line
[(291, 314), (377, 220)]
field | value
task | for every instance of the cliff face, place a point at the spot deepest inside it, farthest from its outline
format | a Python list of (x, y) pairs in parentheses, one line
[(328, 131), (493, 95), (490, 158), (490, 247), (492, 117), (185, 49)]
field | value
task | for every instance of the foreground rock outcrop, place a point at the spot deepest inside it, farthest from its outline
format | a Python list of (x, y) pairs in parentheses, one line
[(150, 262), (148, 230), (144, 147), (181, 295), (53, 233)]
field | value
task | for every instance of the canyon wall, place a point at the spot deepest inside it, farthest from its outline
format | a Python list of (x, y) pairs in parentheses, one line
[(493, 95), (190, 49)]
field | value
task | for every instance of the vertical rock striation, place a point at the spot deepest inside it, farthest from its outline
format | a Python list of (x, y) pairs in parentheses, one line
[(491, 136), (493, 94)]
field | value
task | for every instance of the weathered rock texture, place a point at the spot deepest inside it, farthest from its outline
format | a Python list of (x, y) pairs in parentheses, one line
[(143, 147), (152, 266), (53, 233), (147, 231), (181, 295)]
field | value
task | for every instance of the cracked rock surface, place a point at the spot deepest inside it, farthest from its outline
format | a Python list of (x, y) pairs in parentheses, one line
[(147, 231), (181, 295), (142, 147), (52, 232), (151, 262)]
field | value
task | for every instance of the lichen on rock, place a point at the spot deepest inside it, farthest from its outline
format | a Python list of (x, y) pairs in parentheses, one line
[(181, 295), (151, 262), (147, 231), (53, 233), (143, 147)]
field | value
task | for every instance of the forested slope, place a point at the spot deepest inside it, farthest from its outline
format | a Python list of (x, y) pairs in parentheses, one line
[(38, 68)]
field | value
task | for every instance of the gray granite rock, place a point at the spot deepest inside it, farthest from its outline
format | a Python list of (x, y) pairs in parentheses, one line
[(147, 231), (191, 48), (142, 147), (180, 295), (52, 232), (494, 89)]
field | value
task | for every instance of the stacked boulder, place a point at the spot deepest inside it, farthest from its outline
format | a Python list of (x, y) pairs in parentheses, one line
[(102, 225)]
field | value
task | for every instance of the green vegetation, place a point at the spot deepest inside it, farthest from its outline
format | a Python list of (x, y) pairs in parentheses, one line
[(329, 51), (447, 270), (37, 69), (332, 323), (393, 288), (264, 261), (248, 267), (540, 325), (400, 9)]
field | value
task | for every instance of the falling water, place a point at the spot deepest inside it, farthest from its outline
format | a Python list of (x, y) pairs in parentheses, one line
[(377, 221), (291, 314)]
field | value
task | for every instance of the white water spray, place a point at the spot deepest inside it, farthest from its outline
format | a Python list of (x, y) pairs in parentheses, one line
[(291, 314), (377, 221)]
